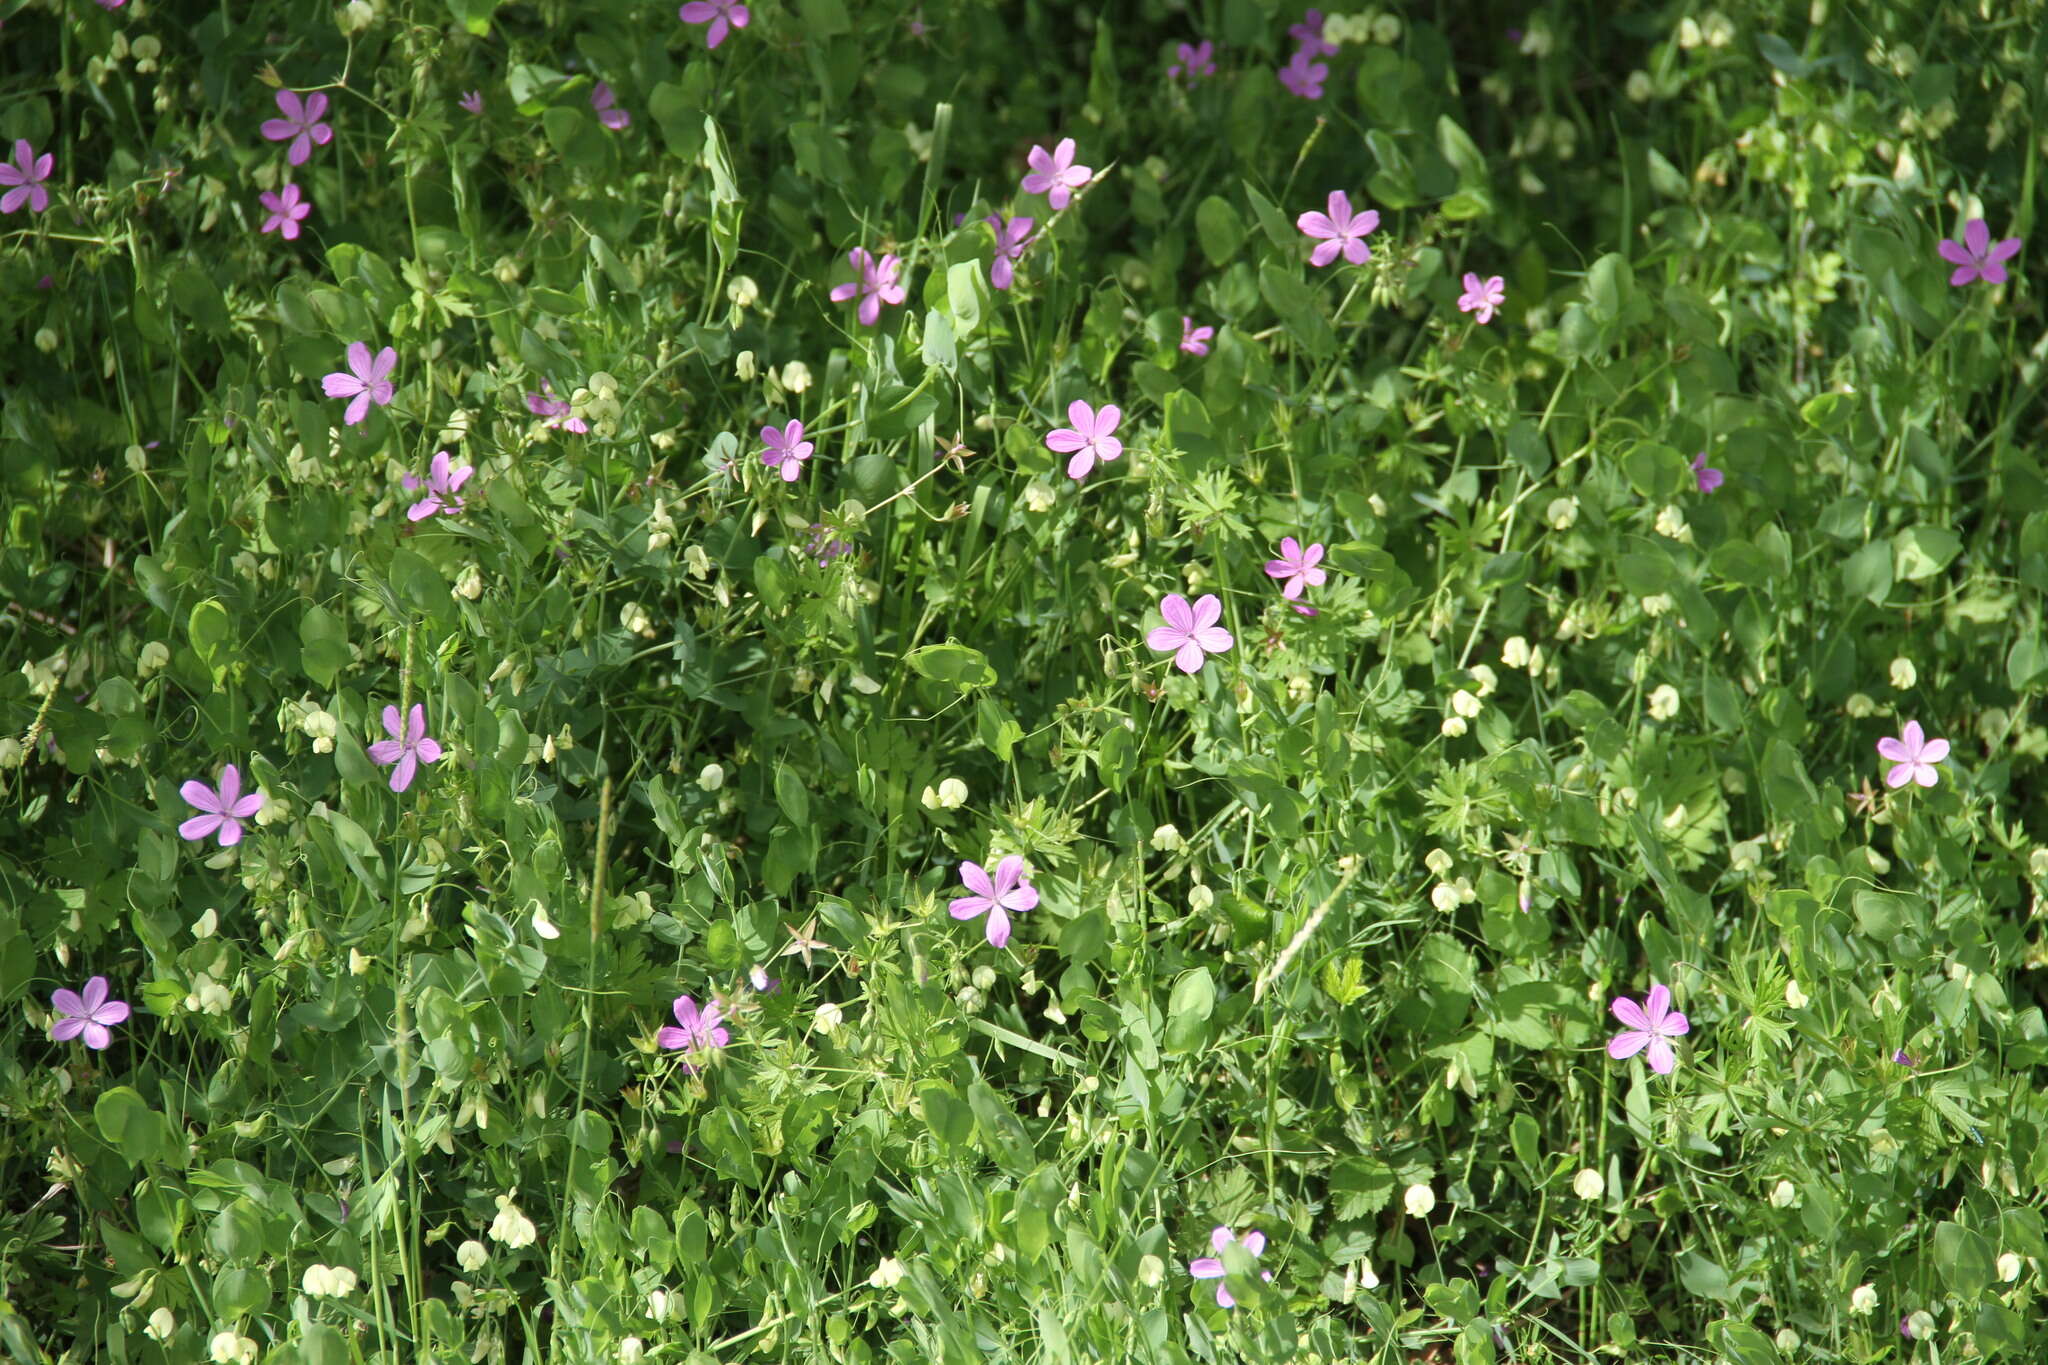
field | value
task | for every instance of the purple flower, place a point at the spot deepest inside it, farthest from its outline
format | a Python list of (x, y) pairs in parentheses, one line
[(1309, 33), (26, 173), (1975, 258), (1913, 756), (1904, 1058), (556, 410), (1342, 231), (1055, 175), (442, 486), (473, 101), (1089, 438), (1190, 632), (1705, 476), (696, 1030), (368, 381), (824, 547), (997, 897), (718, 14), (1652, 1024), (1194, 340), (1482, 296), (1211, 1267), (408, 748), (1297, 566), (763, 984), (601, 100), (301, 125), (91, 1014), (1304, 77), (1196, 61), (877, 284), (1012, 236), (286, 208), (787, 449), (224, 809)]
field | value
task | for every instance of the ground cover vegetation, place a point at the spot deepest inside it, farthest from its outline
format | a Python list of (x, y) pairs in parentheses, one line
[(813, 681)]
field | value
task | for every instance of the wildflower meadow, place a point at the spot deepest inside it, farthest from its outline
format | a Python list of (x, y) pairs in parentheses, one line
[(1183, 681)]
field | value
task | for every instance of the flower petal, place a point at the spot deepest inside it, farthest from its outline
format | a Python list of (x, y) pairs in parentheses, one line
[(1625, 1045)]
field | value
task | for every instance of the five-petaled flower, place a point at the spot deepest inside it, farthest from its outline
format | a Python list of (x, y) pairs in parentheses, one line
[(1913, 756), (473, 101), (1705, 477), (1194, 340), (286, 208), (408, 747), (1211, 1267), (1089, 438), (1482, 296), (555, 410), (1190, 633), (878, 284), (601, 99), (443, 488), (1303, 75), (1652, 1024), (1054, 174), (26, 173), (90, 1014), (222, 809), (1309, 33), (695, 1031), (1297, 566), (717, 13), (1975, 258), (997, 897), (786, 449), (1193, 61), (1012, 236), (1342, 231), (301, 125), (367, 381)]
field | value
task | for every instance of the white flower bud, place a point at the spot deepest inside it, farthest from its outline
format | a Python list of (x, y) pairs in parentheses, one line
[(743, 366), (162, 1325), (1589, 1184), (630, 1350), (1784, 1195), (1904, 675), (888, 1274), (1795, 997), (471, 1255), (511, 1227), (829, 1017), (1664, 702), (1859, 706), (1166, 839), (2009, 1267), (1863, 1299), (796, 376), (1515, 653), (1562, 513), (1418, 1200)]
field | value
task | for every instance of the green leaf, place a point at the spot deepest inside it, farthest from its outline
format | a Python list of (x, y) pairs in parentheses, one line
[(791, 796), (1741, 1343), (957, 664), (1965, 1260), (945, 1113), (1923, 551), (1461, 151), (1278, 229), (1826, 412), (323, 645), (2026, 661), (964, 293), (130, 1126), (1219, 229), (1610, 284), (1655, 471), (199, 298), (212, 637), (1868, 572), (936, 346)]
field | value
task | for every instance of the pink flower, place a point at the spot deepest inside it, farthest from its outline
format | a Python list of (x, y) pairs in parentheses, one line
[(1974, 257), (1309, 33), (1190, 632), (1211, 1267), (1089, 438), (26, 173), (1913, 756), (1055, 175), (1297, 566), (1012, 236), (787, 450), (1304, 77), (91, 1014), (997, 897), (877, 284), (408, 748), (1194, 340), (601, 100), (1342, 231), (1198, 60), (717, 13), (300, 125), (1652, 1024), (1705, 477), (368, 381), (697, 1031), (473, 101), (556, 410), (286, 209), (1482, 296), (224, 809), (442, 486)]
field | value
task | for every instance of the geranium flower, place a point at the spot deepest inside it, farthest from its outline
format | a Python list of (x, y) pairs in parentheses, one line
[(1297, 566), (555, 410), (1343, 231), (1705, 477), (367, 381), (1194, 340), (1482, 296), (1211, 1267), (223, 809), (442, 486), (1193, 62), (26, 173), (786, 449), (1012, 236), (1190, 632), (90, 1014), (601, 100), (1975, 258), (286, 208), (1089, 438), (876, 286), (301, 125), (1054, 174), (1913, 756), (995, 897), (1309, 33), (696, 1031), (717, 13), (1652, 1024), (1303, 76), (408, 748), (473, 101)]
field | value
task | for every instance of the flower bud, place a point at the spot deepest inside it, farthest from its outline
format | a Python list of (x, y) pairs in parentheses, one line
[(1589, 1184)]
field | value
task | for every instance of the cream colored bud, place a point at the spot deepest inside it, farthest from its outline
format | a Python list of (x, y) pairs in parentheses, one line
[(1386, 30), (1466, 704), (829, 1017), (1437, 861), (1453, 726), (1151, 1271), (952, 793), (1589, 1184), (163, 1324), (1795, 997), (1515, 653), (743, 366), (712, 778), (1418, 1200), (1638, 87), (1664, 702), (743, 292), (1562, 513), (2009, 1267), (1784, 1195), (796, 376), (631, 1349), (1656, 604), (1444, 897), (1038, 497), (471, 1255), (1863, 1299), (1904, 675), (1166, 839), (511, 1227), (1859, 706), (888, 1274)]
